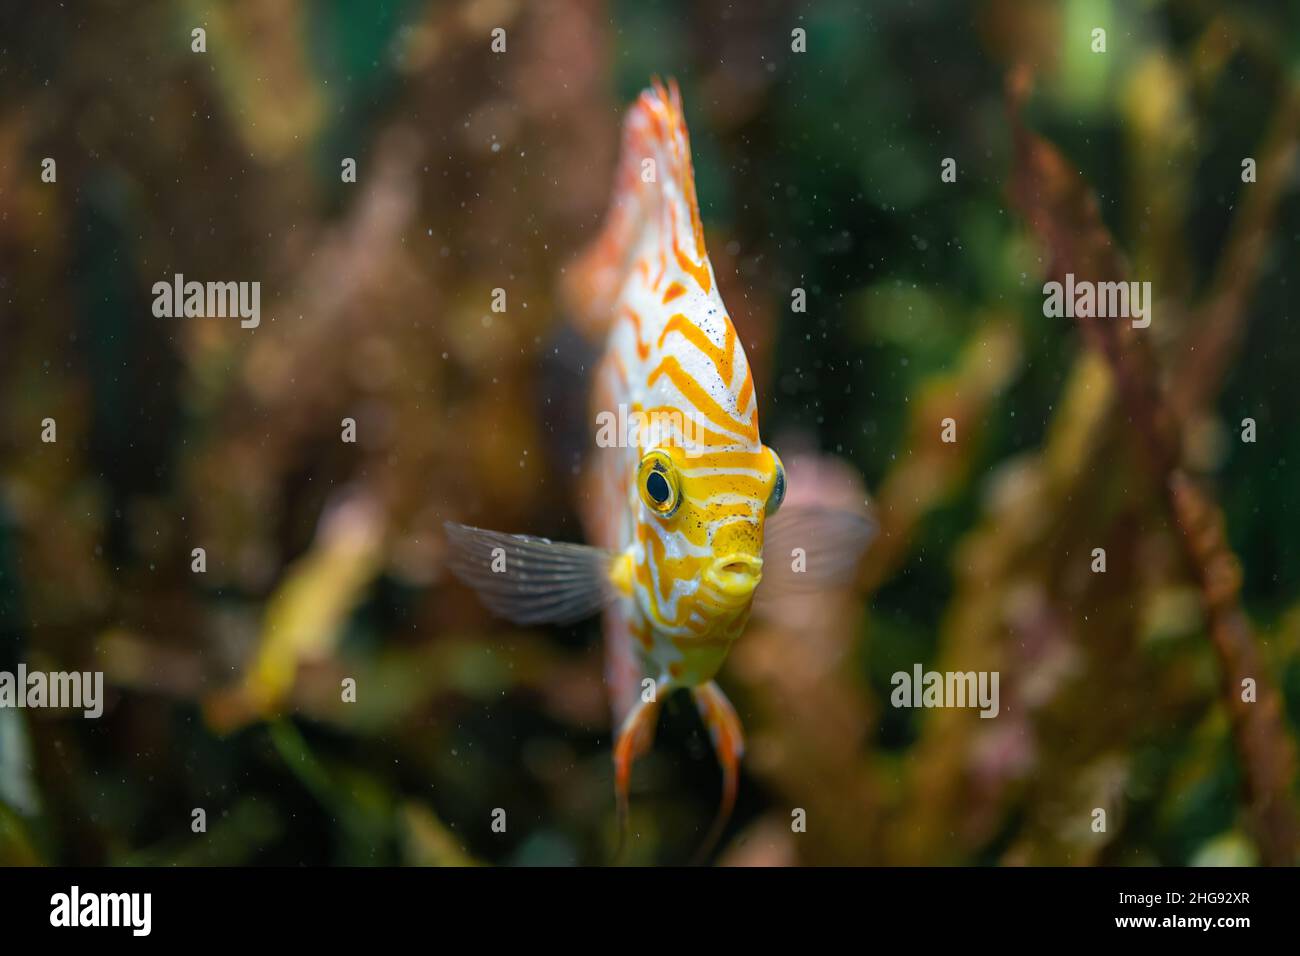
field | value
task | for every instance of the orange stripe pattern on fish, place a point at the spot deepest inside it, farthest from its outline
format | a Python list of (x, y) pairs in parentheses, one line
[(680, 487)]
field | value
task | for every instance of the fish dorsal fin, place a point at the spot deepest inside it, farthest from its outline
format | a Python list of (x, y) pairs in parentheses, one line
[(654, 209), (531, 580)]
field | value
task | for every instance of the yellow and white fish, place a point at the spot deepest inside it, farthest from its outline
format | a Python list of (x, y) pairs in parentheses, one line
[(680, 504)]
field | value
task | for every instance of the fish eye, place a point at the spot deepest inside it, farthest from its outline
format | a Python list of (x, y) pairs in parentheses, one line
[(656, 486), (657, 483), (777, 494)]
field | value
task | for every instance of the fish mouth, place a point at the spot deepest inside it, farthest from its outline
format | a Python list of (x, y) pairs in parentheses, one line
[(735, 575)]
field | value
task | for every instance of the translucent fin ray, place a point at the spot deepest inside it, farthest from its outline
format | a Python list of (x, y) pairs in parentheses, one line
[(806, 547), (530, 580)]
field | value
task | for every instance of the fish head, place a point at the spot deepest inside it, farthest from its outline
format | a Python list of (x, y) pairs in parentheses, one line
[(700, 523)]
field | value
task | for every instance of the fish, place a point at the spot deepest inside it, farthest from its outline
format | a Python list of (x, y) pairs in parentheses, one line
[(681, 500)]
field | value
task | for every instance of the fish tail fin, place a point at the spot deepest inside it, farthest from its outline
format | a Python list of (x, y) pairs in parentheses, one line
[(654, 192), (729, 744), (635, 738)]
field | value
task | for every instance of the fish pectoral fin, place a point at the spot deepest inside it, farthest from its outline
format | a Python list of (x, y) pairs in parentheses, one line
[(531, 580), (622, 570), (806, 547)]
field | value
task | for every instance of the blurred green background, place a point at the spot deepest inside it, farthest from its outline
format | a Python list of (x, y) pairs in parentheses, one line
[(479, 170)]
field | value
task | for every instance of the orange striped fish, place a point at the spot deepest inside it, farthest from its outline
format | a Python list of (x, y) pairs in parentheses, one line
[(681, 491)]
